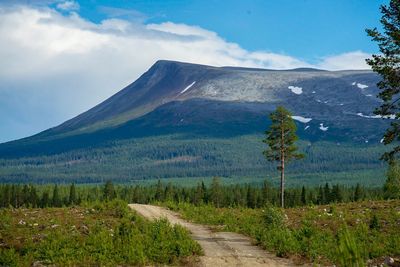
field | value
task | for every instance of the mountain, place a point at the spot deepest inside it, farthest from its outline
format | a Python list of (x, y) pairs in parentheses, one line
[(188, 120)]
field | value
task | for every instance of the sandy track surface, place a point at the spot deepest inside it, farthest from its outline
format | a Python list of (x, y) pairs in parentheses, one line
[(220, 248)]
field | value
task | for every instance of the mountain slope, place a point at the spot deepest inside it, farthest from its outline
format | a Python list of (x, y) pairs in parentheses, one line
[(195, 108)]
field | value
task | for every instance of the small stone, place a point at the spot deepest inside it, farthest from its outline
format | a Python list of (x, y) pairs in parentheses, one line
[(389, 261)]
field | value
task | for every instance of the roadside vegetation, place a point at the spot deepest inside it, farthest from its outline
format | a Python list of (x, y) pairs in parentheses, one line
[(351, 234), (99, 233), (328, 224)]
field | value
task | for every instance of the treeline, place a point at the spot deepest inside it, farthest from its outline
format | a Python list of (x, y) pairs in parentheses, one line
[(251, 196), (174, 156)]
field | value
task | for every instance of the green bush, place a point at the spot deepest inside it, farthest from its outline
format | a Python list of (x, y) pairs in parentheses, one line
[(273, 217), (348, 253), (107, 234), (8, 257)]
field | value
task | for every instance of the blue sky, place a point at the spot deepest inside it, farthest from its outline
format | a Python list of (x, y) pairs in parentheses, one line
[(307, 29), (62, 57)]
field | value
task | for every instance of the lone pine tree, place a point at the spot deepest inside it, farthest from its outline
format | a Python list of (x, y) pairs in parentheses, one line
[(387, 65), (281, 138)]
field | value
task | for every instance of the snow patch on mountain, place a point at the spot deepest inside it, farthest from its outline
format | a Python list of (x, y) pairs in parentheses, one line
[(392, 117), (362, 86), (323, 128), (359, 85), (296, 90), (187, 87), (301, 119)]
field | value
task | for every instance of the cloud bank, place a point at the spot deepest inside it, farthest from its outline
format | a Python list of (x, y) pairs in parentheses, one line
[(55, 64)]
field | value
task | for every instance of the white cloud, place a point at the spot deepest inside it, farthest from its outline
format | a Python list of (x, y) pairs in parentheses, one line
[(68, 6), (63, 64), (346, 61)]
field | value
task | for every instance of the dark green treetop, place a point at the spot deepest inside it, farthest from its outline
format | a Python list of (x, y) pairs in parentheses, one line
[(281, 137), (387, 65)]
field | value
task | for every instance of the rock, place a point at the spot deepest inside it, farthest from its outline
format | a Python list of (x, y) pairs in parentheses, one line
[(389, 261)]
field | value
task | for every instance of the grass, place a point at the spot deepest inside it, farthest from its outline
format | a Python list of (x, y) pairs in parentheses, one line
[(105, 234), (350, 234)]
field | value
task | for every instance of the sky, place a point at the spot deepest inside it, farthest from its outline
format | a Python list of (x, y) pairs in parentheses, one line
[(60, 58)]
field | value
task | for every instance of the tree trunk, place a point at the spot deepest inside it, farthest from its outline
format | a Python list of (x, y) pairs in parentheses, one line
[(282, 168)]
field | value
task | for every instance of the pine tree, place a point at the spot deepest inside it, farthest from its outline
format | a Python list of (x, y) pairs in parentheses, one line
[(33, 197), (108, 191), (72, 195), (45, 200), (205, 194), (215, 191), (358, 193), (303, 196), (392, 185), (281, 138), (337, 195), (321, 196), (251, 197), (159, 191), (387, 65), (267, 192), (198, 195), (56, 201), (327, 194)]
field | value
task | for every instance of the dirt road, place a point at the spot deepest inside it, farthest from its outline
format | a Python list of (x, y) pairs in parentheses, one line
[(220, 248)]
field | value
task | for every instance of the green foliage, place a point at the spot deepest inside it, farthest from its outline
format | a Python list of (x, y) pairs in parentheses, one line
[(108, 192), (281, 137), (72, 195), (348, 251), (387, 64), (104, 234), (392, 185), (216, 192), (374, 223), (8, 257), (188, 159), (252, 195), (273, 217), (56, 200), (327, 235)]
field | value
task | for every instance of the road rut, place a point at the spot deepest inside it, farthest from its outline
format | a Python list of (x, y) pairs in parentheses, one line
[(220, 248)]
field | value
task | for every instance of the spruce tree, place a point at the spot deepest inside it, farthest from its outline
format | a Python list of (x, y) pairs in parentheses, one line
[(267, 192), (56, 201), (303, 196), (358, 193), (387, 65), (72, 195), (159, 191), (108, 191), (45, 200), (392, 185), (281, 138), (215, 191)]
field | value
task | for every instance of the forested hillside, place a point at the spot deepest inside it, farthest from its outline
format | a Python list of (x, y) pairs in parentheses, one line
[(187, 120)]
